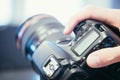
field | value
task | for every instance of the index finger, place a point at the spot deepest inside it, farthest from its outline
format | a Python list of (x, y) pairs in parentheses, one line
[(91, 12)]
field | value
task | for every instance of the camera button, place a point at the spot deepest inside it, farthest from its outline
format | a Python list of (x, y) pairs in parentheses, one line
[(82, 59), (96, 47), (99, 27)]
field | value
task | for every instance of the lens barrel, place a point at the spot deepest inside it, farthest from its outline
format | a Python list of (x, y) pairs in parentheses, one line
[(37, 29)]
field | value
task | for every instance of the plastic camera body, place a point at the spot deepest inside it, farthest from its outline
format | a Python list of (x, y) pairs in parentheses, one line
[(59, 59)]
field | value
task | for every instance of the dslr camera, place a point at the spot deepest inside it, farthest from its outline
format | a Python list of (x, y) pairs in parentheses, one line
[(56, 56)]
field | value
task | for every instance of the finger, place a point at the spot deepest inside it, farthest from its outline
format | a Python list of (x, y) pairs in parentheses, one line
[(104, 57), (92, 12)]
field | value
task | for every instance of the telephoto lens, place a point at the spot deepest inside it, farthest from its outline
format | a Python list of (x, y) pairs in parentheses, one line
[(37, 29)]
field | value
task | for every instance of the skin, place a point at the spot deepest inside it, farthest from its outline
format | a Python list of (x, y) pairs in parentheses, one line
[(103, 57)]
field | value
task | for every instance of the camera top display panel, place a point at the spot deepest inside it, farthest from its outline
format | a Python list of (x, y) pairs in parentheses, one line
[(92, 35), (84, 44)]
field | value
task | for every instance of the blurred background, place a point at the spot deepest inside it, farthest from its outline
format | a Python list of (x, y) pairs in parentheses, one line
[(13, 66)]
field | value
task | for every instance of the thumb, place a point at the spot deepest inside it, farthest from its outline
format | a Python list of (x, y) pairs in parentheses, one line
[(104, 57)]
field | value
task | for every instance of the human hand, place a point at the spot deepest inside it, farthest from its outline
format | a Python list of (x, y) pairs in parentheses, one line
[(102, 57)]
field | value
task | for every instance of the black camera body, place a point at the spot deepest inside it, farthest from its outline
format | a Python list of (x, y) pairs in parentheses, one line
[(60, 59)]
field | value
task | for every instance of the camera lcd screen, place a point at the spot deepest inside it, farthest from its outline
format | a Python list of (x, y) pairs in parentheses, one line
[(86, 42)]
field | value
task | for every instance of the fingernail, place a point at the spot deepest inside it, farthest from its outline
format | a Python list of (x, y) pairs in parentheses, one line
[(94, 61), (65, 31)]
